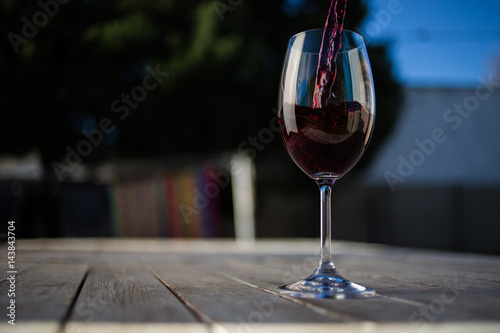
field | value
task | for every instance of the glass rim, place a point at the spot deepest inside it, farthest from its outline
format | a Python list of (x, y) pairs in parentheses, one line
[(358, 44)]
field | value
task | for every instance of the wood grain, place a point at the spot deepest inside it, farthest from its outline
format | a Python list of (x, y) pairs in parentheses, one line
[(121, 288), (45, 293), (130, 285)]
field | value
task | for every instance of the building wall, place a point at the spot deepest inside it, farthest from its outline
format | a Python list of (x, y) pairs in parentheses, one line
[(447, 197), (436, 182), (443, 136)]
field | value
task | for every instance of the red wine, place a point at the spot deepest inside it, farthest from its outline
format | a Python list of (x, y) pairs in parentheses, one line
[(327, 141), (330, 46), (328, 138)]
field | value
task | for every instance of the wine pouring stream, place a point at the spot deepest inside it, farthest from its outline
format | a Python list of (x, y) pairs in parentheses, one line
[(326, 115)]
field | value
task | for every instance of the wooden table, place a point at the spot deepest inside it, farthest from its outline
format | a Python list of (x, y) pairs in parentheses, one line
[(165, 285)]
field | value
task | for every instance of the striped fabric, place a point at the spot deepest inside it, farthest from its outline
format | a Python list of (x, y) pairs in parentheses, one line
[(177, 203)]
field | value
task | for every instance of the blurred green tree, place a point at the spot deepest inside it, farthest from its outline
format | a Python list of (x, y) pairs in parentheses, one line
[(65, 67)]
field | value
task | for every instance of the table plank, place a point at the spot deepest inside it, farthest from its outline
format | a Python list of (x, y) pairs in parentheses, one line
[(402, 300), (45, 292), (119, 287), (377, 309), (45, 285), (222, 300), (459, 295), (31, 327), (127, 285)]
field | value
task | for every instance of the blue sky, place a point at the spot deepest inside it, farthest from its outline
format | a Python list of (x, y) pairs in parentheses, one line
[(437, 42)]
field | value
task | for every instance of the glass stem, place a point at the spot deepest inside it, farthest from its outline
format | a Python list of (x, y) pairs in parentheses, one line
[(325, 264)]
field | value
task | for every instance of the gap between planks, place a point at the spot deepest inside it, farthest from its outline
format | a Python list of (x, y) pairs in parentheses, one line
[(211, 325), (315, 308), (67, 315), (401, 300)]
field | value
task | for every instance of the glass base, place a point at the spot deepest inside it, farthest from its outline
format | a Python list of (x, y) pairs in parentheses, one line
[(326, 284)]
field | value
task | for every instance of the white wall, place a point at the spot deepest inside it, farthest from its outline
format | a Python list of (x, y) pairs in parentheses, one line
[(467, 151)]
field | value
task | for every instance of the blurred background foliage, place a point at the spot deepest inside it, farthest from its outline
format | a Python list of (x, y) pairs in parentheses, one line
[(64, 64), (223, 59)]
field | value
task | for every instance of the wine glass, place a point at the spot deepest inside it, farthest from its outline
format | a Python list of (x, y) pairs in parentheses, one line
[(326, 142)]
